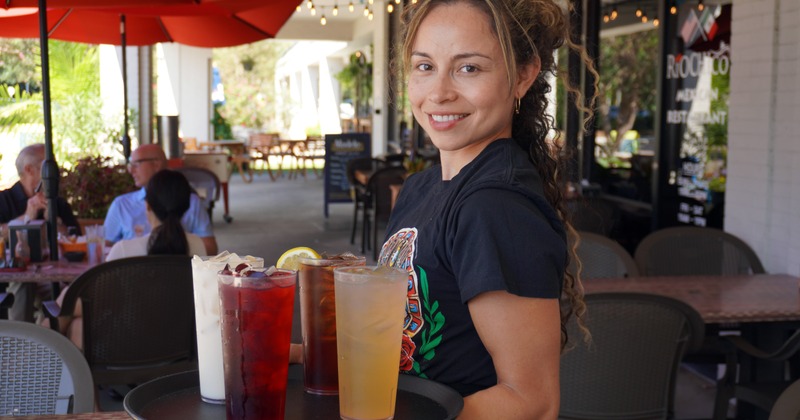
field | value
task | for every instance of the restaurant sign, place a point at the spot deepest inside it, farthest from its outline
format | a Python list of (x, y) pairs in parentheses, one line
[(696, 89)]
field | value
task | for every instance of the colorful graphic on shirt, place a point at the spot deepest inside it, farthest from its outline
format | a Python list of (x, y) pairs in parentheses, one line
[(398, 251)]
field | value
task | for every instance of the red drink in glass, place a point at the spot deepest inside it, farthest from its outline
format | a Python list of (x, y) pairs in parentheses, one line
[(256, 321), (318, 322)]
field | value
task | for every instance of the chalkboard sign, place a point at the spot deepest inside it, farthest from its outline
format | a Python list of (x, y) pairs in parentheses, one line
[(339, 149)]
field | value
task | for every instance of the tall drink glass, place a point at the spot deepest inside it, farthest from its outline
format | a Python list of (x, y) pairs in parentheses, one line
[(318, 321), (206, 307), (256, 333), (370, 308)]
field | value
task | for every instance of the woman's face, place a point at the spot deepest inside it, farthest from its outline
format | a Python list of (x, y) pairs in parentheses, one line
[(458, 85)]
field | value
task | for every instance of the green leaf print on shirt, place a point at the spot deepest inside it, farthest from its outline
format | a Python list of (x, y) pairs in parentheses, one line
[(431, 336)]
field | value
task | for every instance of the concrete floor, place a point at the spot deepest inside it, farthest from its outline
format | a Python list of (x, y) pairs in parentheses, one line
[(271, 217)]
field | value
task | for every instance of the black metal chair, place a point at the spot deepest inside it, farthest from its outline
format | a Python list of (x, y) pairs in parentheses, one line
[(746, 387), (689, 250), (138, 318), (203, 181), (603, 257), (41, 373), (358, 192), (629, 369), (378, 205)]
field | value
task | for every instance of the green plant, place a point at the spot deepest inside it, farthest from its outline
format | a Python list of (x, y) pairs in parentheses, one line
[(222, 129), (92, 184)]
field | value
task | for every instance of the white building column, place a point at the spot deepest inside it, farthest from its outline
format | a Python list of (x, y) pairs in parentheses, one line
[(380, 80), (183, 78), (763, 193)]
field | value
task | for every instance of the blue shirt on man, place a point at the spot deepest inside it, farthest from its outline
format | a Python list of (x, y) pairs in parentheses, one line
[(128, 211)]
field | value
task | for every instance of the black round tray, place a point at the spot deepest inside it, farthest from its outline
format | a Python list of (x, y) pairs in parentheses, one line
[(178, 397)]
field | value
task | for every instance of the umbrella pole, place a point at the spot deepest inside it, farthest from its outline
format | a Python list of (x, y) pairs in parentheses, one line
[(126, 140), (49, 167)]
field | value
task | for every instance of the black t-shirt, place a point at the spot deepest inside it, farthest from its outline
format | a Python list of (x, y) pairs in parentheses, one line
[(489, 228), (13, 203)]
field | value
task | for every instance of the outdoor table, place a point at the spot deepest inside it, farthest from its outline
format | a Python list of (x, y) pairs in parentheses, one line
[(756, 298), (54, 272), (178, 396), (237, 155)]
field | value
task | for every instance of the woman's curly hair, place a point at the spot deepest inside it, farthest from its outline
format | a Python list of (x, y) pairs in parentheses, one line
[(531, 31)]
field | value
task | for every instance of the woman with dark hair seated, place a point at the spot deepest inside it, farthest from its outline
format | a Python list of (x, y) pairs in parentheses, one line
[(166, 198)]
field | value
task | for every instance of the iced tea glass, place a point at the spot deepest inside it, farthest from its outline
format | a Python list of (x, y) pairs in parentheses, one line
[(318, 321), (256, 333), (206, 308), (370, 309)]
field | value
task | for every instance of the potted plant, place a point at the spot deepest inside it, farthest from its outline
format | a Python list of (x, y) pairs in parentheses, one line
[(92, 184)]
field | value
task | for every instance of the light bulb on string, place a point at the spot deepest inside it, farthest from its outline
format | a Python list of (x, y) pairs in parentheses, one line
[(370, 16), (614, 13), (350, 7), (390, 7), (298, 8), (366, 11), (673, 9), (413, 1), (396, 1), (606, 18), (639, 12), (309, 4), (322, 20), (644, 17), (335, 10), (371, 2), (313, 11), (700, 5), (656, 22)]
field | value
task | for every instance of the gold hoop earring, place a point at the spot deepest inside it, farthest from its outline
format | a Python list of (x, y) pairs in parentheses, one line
[(517, 105)]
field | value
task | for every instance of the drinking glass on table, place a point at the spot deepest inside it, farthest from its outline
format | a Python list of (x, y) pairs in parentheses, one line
[(318, 321), (370, 309), (257, 312), (206, 306)]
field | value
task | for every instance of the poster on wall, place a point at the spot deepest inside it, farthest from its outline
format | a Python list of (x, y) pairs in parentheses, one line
[(695, 116)]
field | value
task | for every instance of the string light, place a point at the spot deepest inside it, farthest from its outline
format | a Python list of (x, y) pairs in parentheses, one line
[(673, 10), (390, 8), (322, 20), (350, 7), (606, 18), (700, 5), (644, 17), (366, 11), (298, 8), (656, 22), (396, 1), (336, 10), (370, 15), (614, 13), (639, 12), (413, 1), (309, 4)]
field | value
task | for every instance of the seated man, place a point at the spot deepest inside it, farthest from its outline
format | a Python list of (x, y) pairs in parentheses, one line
[(25, 200), (127, 219)]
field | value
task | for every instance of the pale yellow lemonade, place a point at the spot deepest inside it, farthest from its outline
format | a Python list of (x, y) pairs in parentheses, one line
[(370, 308)]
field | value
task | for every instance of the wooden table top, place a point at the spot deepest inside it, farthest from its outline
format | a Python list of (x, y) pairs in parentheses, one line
[(719, 299), (47, 271)]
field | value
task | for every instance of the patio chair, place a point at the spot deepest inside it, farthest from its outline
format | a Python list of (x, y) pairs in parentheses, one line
[(378, 203), (745, 387), (358, 192), (629, 369), (205, 183), (138, 318), (689, 250), (788, 404), (603, 257), (41, 373)]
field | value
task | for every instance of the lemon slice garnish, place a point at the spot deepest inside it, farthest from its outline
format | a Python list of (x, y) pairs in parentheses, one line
[(290, 260)]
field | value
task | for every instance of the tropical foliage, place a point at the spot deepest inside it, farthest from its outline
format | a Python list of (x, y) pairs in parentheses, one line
[(248, 73), (627, 85), (91, 185)]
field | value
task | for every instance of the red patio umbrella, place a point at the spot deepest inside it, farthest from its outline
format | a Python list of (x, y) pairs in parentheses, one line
[(210, 24)]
